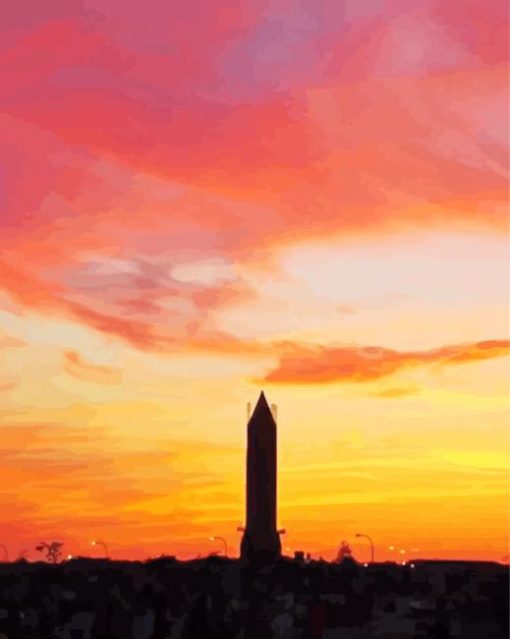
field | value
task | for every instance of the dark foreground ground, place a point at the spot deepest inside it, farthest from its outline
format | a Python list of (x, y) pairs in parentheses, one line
[(222, 599)]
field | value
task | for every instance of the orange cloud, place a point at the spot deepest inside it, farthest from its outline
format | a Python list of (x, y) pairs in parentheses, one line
[(7, 386), (8, 341), (396, 392), (318, 364), (75, 365)]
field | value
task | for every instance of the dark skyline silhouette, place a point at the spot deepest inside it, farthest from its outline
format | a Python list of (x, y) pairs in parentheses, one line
[(261, 595)]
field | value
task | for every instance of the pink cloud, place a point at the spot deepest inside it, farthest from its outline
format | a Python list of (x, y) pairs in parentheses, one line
[(171, 134)]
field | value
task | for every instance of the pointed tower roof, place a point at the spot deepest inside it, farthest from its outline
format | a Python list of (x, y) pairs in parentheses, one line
[(262, 412)]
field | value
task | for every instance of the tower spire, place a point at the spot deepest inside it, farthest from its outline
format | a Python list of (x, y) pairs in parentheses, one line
[(262, 409)]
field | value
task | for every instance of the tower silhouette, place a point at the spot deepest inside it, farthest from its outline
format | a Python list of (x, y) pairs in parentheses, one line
[(261, 539)]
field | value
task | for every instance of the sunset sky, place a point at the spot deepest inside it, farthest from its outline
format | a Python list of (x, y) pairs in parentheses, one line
[(203, 199)]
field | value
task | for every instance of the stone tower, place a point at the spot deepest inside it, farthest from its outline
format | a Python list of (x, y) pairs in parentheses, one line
[(261, 539)]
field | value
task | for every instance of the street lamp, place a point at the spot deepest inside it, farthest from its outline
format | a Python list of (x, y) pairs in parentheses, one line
[(222, 539), (98, 542), (6, 552), (371, 545)]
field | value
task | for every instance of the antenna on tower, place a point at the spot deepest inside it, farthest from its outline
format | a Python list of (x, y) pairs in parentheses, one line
[(248, 411), (274, 410)]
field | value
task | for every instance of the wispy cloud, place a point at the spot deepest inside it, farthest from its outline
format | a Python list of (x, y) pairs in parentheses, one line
[(318, 364), (78, 367), (397, 391), (8, 341), (7, 386)]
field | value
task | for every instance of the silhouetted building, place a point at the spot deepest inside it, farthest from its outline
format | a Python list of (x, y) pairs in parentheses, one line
[(261, 539)]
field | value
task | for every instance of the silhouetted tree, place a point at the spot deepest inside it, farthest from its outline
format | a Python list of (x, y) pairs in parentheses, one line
[(344, 552), (53, 552)]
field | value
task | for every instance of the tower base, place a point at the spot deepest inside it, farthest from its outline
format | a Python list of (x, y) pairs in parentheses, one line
[(257, 550)]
